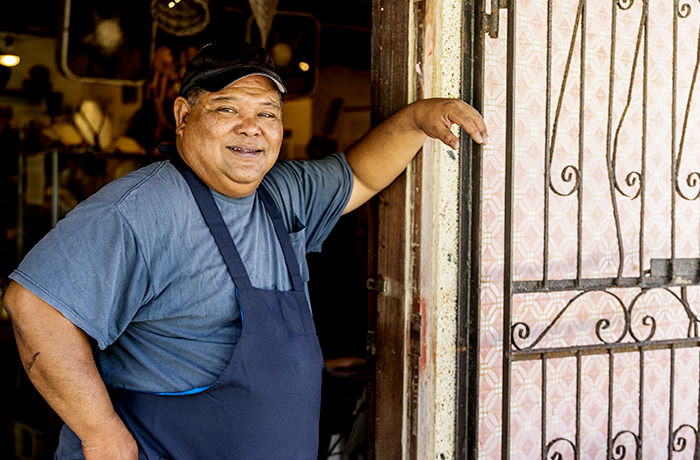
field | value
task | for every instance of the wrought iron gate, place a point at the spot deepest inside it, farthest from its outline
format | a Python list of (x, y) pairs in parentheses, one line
[(580, 297)]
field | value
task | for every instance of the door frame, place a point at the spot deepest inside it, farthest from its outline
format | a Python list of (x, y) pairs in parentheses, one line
[(390, 92)]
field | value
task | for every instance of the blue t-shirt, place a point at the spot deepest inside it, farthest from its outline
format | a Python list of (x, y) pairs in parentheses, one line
[(136, 268)]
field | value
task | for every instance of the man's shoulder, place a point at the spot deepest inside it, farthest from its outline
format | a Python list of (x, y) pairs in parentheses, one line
[(143, 192), (153, 182), (300, 172)]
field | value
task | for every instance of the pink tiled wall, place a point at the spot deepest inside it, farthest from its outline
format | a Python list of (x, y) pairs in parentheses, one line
[(599, 252)]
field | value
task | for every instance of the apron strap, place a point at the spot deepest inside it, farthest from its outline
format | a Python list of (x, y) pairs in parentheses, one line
[(217, 227), (283, 237), (222, 237)]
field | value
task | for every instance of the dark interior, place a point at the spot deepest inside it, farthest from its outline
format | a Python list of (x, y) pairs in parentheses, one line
[(334, 38)]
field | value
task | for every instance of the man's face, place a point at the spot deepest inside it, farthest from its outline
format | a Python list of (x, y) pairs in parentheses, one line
[(232, 138)]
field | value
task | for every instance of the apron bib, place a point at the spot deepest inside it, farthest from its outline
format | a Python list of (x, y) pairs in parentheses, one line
[(266, 403)]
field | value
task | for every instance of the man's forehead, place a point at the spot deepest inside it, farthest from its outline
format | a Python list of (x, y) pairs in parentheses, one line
[(254, 81), (262, 99), (256, 86)]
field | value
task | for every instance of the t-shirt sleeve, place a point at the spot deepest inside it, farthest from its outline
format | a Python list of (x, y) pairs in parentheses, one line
[(314, 192), (89, 269)]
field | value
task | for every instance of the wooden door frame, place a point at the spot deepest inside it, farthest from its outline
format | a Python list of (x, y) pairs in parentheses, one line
[(390, 92)]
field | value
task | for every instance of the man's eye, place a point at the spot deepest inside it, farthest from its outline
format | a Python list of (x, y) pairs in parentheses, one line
[(268, 115), (226, 110)]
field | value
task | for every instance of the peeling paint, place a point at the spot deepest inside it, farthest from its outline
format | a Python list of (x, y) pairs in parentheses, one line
[(423, 305), (447, 71), (441, 72)]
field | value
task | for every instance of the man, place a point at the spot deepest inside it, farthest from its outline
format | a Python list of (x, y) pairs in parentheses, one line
[(189, 277)]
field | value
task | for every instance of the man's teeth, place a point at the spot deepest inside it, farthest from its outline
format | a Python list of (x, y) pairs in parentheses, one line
[(239, 149)]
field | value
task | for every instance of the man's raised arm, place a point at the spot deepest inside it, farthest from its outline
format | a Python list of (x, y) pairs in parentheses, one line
[(383, 153)]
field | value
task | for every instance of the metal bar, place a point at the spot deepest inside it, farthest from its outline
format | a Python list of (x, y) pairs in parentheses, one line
[(582, 104), (609, 151), (686, 267), (598, 349), (560, 102), (578, 405), (674, 96), (493, 19), (54, 188), (611, 376), (543, 421), (697, 433), (670, 401), (468, 293), (599, 284), (640, 452), (547, 146), (642, 203), (508, 236)]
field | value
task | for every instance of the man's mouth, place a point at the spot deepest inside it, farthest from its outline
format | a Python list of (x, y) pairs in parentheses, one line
[(245, 150)]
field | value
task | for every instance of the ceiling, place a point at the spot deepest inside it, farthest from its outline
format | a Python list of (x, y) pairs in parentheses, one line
[(344, 27)]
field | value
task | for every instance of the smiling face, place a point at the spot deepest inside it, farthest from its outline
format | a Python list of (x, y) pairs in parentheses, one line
[(231, 138)]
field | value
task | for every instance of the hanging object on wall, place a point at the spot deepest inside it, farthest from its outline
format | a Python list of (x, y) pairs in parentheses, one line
[(106, 42), (94, 125), (181, 17), (264, 12)]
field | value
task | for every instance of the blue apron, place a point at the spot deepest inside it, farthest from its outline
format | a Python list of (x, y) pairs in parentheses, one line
[(265, 404)]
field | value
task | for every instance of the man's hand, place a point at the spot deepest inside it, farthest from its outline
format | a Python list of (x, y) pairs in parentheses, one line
[(114, 442), (379, 157), (435, 118)]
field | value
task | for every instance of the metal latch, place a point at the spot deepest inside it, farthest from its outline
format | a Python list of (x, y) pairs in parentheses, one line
[(491, 20), (377, 285), (685, 271)]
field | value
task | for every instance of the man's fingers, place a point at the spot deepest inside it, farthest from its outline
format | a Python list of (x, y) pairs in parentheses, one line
[(437, 117), (471, 121), (447, 136)]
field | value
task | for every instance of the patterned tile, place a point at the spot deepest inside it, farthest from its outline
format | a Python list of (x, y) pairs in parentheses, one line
[(643, 238)]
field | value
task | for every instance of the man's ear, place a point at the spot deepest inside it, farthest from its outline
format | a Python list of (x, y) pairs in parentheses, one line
[(181, 110)]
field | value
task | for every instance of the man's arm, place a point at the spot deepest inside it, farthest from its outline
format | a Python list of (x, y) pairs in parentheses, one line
[(57, 357), (379, 157)]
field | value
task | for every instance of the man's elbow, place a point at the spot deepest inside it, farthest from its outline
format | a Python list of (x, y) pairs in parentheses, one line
[(11, 299), (17, 300)]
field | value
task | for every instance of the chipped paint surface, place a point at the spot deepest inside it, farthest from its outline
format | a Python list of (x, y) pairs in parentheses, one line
[(442, 78), (448, 74)]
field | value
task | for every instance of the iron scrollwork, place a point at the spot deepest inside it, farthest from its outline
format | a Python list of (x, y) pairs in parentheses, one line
[(570, 173), (684, 10), (693, 178), (625, 4), (557, 454), (619, 451), (679, 443), (634, 179), (521, 331)]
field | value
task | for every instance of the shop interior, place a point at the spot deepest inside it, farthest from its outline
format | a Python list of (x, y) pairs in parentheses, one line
[(90, 99)]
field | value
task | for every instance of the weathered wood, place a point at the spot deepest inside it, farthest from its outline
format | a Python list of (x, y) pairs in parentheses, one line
[(390, 50)]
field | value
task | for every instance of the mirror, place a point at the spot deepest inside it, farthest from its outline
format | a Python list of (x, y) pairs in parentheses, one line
[(109, 41)]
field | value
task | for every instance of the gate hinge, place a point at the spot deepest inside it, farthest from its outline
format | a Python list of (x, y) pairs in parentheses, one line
[(377, 285), (491, 19)]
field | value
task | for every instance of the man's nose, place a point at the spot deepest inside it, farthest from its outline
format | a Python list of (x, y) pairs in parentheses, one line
[(248, 126)]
